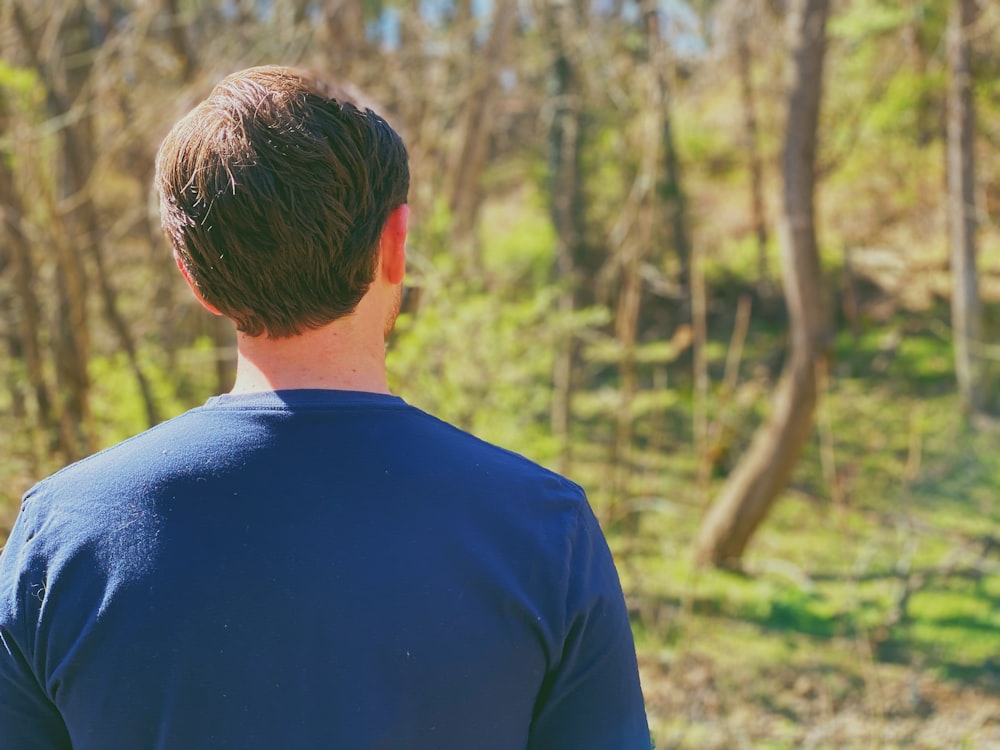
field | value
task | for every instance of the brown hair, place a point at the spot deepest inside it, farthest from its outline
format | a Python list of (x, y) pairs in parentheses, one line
[(274, 192)]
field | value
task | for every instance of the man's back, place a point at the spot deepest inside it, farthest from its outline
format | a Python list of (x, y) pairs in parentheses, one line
[(312, 569)]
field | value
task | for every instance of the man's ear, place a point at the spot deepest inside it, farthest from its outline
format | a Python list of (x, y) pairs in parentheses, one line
[(392, 245), (194, 287)]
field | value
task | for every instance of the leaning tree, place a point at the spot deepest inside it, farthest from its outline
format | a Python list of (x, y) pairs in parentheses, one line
[(764, 469)]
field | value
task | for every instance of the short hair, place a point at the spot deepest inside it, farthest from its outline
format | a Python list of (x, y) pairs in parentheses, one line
[(274, 192)]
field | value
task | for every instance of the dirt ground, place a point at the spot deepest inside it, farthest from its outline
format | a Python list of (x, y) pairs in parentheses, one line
[(692, 703)]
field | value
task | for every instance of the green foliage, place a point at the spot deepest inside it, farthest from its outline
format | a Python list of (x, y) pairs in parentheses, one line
[(519, 241), (21, 92), (116, 402), (897, 110), (483, 358), (737, 261), (863, 20), (473, 361), (20, 87), (714, 150)]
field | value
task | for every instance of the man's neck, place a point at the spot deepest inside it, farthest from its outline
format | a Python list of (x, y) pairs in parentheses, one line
[(344, 355)]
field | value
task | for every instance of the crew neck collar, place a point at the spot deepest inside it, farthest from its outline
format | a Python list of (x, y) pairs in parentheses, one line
[(303, 397)]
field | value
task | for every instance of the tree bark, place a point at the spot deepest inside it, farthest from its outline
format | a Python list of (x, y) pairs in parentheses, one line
[(657, 191), (965, 304), (66, 81), (26, 310), (567, 211), (758, 210), (926, 119), (763, 471), (466, 193), (72, 339), (178, 40), (343, 29), (669, 188)]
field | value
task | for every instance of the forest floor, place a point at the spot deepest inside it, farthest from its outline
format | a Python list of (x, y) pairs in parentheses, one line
[(865, 625), (696, 701), (868, 611), (823, 642)]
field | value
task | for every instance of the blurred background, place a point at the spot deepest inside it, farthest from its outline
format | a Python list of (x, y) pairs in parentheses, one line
[(732, 265)]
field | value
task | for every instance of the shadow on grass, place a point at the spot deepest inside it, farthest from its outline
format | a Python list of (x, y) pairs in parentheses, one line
[(897, 649), (957, 647)]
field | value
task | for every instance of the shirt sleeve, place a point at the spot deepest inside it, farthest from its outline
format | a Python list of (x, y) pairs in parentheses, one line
[(28, 719), (592, 700)]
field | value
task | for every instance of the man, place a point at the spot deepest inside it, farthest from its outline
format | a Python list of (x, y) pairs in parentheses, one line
[(307, 561)]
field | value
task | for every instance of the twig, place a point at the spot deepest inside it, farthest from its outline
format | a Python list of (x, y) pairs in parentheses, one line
[(828, 462), (734, 355)]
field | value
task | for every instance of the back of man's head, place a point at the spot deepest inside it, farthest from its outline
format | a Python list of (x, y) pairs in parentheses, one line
[(274, 192)]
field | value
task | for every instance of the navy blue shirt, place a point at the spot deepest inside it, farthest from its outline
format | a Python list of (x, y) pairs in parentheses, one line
[(312, 569)]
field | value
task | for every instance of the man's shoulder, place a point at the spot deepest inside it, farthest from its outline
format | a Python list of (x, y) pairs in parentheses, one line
[(107, 469), (487, 459), (267, 449)]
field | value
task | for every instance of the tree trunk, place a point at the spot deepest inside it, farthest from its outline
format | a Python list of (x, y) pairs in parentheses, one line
[(72, 339), (67, 83), (343, 31), (764, 469), (567, 210), (25, 308), (758, 211), (626, 331), (669, 189), (655, 188), (926, 119), (178, 40), (965, 306), (466, 193)]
